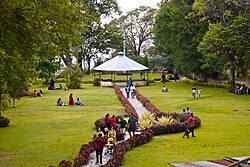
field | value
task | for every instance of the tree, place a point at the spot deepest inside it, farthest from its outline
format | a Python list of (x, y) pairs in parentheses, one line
[(137, 25), (99, 38), (31, 30), (226, 43), (177, 34)]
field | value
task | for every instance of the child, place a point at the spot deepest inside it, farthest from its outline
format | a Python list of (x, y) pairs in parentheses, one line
[(164, 89), (199, 92), (186, 132), (193, 92), (78, 102)]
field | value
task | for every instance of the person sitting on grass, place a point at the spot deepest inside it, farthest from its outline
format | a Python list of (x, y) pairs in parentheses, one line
[(59, 102), (34, 93), (40, 93), (164, 89), (78, 102)]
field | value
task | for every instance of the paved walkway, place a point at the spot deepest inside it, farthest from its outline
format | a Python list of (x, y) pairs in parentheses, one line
[(140, 109)]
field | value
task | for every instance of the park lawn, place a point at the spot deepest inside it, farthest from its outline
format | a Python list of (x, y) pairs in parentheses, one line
[(224, 130), (42, 134)]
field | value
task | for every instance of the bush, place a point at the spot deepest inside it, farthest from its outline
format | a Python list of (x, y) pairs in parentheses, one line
[(150, 80), (74, 80), (210, 84), (170, 76), (87, 82), (4, 122), (96, 82), (60, 80)]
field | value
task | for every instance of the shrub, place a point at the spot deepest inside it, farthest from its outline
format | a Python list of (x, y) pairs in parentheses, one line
[(170, 76), (163, 120), (4, 122), (96, 82), (150, 80), (60, 80), (65, 163), (74, 80), (210, 84)]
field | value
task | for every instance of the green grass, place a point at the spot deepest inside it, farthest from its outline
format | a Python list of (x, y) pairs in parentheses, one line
[(42, 134), (224, 131)]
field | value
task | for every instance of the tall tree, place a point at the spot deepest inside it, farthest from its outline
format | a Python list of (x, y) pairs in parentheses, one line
[(138, 26), (177, 34), (228, 38), (99, 38), (31, 30)]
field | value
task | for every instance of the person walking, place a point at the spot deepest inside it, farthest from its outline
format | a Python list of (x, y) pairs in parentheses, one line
[(199, 92), (193, 92), (191, 124), (132, 122), (127, 90), (132, 90), (99, 144), (122, 126), (163, 77)]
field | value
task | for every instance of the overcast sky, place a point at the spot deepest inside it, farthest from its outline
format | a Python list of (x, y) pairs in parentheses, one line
[(127, 5)]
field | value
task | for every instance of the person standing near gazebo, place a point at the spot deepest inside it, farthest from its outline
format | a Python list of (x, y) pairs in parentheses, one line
[(130, 82)]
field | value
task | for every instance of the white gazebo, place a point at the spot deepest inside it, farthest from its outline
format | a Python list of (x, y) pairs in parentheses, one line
[(120, 64)]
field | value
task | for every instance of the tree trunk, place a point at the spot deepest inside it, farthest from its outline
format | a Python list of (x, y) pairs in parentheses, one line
[(232, 70), (0, 104), (88, 68)]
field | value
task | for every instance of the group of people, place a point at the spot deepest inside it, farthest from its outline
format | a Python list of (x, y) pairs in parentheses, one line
[(241, 89), (37, 94), (71, 101), (190, 126), (194, 92), (121, 124), (130, 89), (186, 111), (107, 136)]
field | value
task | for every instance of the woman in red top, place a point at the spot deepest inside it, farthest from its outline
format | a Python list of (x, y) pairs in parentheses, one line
[(71, 100), (113, 122)]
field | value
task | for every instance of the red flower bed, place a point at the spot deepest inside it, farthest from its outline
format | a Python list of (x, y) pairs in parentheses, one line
[(121, 148), (83, 157), (65, 163)]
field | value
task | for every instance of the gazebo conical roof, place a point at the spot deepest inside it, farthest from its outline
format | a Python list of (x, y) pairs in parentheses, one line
[(121, 63)]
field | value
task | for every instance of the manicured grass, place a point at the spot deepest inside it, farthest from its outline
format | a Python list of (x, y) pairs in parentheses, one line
[(42, 134), (224, 131)]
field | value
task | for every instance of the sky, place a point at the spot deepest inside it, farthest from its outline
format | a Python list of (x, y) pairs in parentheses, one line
[(128, 5)]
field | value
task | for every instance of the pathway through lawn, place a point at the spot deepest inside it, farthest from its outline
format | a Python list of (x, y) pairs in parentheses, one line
[(140, 109)]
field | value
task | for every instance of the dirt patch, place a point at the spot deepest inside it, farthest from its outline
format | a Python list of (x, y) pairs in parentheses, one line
[(6, 155)]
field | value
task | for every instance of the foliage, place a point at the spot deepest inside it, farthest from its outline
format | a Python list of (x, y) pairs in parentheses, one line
[(74, 80), (4, 122), (47, 68), (164, 120), (96, 82), (226, 44), (65, 163), (183, 34), (137, 24), (210, 84), (148, 116)]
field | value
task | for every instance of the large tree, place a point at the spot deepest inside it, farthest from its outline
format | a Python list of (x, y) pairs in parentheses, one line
[(31, 30), (137, 25), (177, 34), (226, 44), (100, 38)]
